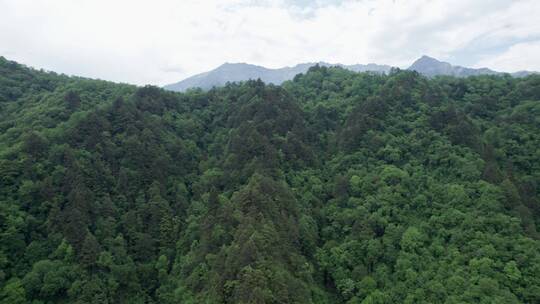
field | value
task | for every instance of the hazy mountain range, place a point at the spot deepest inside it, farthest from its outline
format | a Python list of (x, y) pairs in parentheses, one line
[(431, 67), (232, 72)]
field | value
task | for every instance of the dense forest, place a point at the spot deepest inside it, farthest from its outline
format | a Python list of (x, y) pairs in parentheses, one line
[(335, 187)]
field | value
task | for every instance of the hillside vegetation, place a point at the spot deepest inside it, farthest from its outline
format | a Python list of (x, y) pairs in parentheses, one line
[(335, 187)]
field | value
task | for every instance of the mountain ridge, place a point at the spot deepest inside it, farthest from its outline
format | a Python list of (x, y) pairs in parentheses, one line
[(231, 72), (234, 72)]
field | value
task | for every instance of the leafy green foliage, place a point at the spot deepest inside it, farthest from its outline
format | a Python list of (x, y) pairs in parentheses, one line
[(336, 187)]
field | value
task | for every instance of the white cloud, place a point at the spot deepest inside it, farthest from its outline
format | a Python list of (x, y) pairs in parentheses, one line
[(519, 57), (163, 41)]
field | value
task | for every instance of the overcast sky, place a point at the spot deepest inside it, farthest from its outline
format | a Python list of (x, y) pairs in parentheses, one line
[(163, 41)]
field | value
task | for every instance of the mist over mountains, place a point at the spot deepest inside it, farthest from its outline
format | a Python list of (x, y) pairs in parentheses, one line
[(234, 72)]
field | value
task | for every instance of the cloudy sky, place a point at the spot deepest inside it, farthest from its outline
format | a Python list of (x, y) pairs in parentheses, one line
[(163, 41)]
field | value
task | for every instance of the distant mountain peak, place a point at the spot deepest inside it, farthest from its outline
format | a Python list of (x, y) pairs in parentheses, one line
[(241, 71), (232, 65), (230, 72), (427, 58), (428, 61), (431, 67)]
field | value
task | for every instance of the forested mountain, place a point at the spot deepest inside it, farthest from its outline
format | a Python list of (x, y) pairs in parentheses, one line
[(235, 72), (335, 187)]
